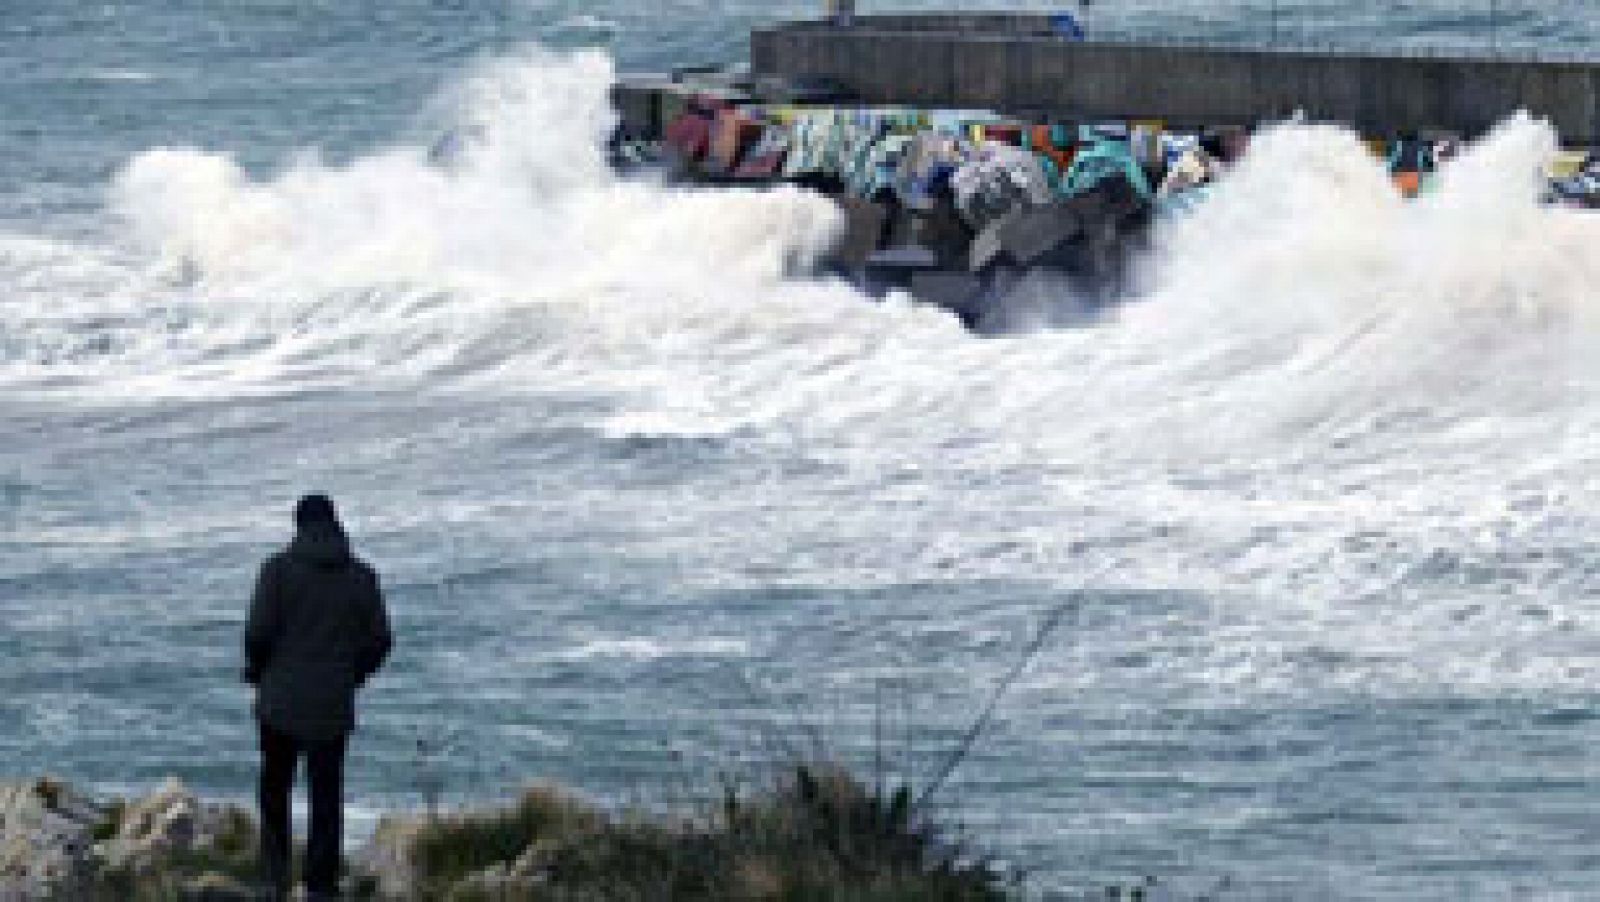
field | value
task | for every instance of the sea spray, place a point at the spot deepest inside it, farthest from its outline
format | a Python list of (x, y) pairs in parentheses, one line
[(1318, 391), (1306, 291), (523, 223), (1318, 297)]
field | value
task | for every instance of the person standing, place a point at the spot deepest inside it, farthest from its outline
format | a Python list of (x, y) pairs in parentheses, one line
[(317, 631)]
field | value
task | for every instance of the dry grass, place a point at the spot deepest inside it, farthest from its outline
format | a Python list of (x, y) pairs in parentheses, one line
[(817, 835), (231, 855)]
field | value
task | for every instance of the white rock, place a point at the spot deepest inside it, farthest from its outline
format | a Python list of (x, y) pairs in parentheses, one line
[(496, 882), (388, 857), (46, 833), (171, 819)]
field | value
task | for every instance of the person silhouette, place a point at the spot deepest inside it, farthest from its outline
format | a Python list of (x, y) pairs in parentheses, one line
[(317, 631)]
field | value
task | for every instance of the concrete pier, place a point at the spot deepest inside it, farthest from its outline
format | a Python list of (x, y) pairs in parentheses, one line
[(1018, 64)]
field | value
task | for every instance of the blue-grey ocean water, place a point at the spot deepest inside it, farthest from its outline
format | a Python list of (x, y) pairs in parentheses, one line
[(1325, 499)]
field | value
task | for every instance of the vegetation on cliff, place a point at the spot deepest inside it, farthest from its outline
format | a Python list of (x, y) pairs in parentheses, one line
[(818, 834), (815, 834)]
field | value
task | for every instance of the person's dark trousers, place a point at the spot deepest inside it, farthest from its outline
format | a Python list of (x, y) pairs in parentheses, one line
[(325, 767)]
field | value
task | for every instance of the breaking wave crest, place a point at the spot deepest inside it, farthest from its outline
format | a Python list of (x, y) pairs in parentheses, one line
[(1304, 296), (1362, 409)]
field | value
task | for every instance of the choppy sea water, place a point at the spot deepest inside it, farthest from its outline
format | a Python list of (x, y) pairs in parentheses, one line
[(1323, 500)]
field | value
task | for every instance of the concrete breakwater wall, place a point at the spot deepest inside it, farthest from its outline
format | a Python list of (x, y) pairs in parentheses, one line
[(1015, 63)]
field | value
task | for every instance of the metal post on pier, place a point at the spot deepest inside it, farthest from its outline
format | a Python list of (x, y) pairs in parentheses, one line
[(1494, 27), (842, 13)]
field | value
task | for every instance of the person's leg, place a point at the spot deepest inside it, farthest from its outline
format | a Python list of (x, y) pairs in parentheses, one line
[(325, 761), (278, 754)]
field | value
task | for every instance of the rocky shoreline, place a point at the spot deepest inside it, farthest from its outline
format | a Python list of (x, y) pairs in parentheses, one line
[(58, 842), (816, 833)]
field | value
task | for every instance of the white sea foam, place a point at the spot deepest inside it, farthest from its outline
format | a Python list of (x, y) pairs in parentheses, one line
[(1306, 286), (587, 22), (645, 649), (1355, 424), (120, 75)]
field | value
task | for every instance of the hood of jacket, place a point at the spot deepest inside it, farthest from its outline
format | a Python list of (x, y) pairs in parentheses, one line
[(323, 547)]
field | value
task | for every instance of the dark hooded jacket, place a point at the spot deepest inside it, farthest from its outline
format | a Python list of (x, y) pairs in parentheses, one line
[(317, 632)]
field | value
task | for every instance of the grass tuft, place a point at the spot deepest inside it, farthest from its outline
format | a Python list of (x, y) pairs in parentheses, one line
[(818, 834), (451, 848)]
